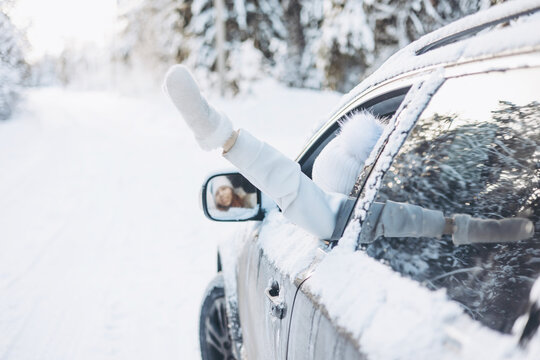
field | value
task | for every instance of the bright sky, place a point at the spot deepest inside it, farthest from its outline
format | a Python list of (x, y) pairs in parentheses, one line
[(53, 23)]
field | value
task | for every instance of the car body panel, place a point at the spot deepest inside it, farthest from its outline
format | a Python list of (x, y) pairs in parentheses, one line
[(314, 337), (262, 332), (265, 333)]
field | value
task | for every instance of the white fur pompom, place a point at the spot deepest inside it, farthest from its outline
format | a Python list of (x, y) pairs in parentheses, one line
[(341, 161), (359, 134)]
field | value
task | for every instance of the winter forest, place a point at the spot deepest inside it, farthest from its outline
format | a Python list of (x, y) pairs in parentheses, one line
[(316, 44)]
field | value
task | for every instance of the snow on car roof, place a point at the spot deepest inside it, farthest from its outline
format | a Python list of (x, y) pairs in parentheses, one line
[(518, 36)]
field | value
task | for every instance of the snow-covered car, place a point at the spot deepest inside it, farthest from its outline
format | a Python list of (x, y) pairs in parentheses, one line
[(462, 106)]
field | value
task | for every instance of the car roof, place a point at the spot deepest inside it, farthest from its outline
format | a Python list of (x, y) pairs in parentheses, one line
[(454, 43)]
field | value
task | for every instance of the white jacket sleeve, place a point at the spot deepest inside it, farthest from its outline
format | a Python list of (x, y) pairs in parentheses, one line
[(279, 177)]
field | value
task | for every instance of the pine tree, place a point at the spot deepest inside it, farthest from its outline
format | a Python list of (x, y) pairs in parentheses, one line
[(152, 32), (306, 43), (254, 30)]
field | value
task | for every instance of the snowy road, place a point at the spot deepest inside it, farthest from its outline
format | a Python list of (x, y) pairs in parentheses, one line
[(104, 253)]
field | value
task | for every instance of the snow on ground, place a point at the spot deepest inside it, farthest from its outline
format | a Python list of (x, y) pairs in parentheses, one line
[(104, 252)]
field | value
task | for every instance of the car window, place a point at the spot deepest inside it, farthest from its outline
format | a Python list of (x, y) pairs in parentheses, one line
[(383, 106), (475, 150)]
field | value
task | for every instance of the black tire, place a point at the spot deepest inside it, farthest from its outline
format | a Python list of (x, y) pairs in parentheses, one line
[(214, 336)]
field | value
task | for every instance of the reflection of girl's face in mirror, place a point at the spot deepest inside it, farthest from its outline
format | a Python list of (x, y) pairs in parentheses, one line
[(224, 197)]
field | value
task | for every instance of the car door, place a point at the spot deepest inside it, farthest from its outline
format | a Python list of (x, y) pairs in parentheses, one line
[(265, 298), (473, 150)]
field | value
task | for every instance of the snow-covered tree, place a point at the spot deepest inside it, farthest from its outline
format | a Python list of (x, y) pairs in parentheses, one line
[(163, 32), (12, 64), (152, 32), (254, 35), (307, 43)]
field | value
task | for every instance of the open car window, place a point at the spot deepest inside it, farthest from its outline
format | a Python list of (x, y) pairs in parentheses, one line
[(475, 150), (383, 106)]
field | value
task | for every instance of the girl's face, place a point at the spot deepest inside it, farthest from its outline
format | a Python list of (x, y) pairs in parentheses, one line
[(224, 196)]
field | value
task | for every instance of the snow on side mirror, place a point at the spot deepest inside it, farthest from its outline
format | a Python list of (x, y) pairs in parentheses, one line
[(231, 197)]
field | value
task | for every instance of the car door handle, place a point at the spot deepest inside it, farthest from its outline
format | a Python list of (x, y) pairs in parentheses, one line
[(278, 307)]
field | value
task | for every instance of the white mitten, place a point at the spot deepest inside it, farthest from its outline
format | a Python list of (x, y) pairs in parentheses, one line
[(469, 230), (211, 129)]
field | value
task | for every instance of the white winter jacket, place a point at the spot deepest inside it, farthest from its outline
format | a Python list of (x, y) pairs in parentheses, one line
[(300, 199)]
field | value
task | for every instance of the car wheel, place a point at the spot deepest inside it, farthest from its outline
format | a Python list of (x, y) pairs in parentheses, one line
[(214, 336)]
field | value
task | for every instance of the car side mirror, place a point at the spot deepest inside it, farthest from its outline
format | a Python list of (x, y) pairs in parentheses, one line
[(231, 197)]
